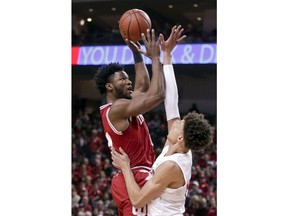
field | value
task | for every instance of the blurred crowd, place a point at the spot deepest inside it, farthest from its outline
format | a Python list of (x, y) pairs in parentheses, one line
[(92, 169), (90, 34)]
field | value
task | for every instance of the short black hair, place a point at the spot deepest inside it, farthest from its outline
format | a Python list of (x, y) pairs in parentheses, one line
[(103, 73), (198, 133)]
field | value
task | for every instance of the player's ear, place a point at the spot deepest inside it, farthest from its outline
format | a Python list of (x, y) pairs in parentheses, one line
[(180, 139), (109, 86)]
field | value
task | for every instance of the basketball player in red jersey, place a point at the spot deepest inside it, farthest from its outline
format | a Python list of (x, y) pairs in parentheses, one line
[(124, 125)]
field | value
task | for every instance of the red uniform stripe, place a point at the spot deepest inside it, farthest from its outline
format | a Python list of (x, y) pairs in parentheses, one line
[(75, 55)]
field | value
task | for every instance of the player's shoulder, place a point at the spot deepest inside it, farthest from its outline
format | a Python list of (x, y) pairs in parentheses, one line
[(119, 107), (169, 165), (120, 103)]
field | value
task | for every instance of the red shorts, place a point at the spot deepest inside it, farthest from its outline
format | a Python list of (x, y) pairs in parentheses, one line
[(120, 194)]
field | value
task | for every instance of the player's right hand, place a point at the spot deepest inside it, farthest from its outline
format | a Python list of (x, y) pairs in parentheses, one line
[(151, 45), (134, 46), (120, 161)]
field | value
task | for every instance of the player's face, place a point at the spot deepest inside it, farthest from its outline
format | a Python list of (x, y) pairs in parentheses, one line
[(122, 85), (176, 130)]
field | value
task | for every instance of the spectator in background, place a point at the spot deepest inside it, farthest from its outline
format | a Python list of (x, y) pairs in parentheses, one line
[(95, 194), (202, 207), (75, 199), (88, 183), (88, 213), (203, 184), (100, 207), (95, 144), (194, 190), (81, 211), (86, 204), (212, 209)]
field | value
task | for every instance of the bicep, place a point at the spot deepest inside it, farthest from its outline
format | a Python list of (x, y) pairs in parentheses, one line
[(123, 108)]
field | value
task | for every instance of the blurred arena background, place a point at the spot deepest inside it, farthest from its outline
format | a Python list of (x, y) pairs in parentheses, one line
[(95, 23)]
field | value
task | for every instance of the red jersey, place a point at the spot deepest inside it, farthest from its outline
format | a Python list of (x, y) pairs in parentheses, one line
[(135, 140)]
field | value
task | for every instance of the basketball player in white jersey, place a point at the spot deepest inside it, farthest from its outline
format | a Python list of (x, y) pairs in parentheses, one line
[(165, 192)]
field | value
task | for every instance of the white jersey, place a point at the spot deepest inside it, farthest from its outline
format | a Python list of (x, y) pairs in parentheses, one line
[(172, 201)]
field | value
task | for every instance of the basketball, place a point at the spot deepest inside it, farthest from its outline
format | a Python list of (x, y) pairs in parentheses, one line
[(134, 22)]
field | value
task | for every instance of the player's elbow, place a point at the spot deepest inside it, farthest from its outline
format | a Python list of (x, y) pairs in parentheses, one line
[(155, 98)]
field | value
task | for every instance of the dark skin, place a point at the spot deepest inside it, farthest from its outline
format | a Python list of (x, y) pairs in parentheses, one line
[(119, 89)]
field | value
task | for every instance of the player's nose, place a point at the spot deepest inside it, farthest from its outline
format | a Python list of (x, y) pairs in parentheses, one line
[(129, 82)]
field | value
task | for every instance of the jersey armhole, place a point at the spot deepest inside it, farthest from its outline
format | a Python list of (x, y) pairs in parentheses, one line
[(111, 125)]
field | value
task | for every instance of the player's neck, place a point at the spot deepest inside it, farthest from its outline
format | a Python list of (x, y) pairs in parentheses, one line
[(110, 98), (176, 148)]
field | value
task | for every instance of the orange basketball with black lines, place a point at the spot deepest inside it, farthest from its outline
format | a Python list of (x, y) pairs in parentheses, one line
[(134, 22)]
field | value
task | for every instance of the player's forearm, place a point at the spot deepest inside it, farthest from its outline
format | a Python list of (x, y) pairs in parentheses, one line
[(156, 92), (171, 94), (167, 58), (131, 185), (157, 86), (142, 80)]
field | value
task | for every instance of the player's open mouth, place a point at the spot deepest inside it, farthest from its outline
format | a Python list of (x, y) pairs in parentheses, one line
[(130, 90)]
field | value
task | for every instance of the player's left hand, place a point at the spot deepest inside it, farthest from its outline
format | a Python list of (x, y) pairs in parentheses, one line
[(174, 39)]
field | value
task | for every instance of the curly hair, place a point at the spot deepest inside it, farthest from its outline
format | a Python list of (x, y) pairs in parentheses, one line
[(103, 73), (198, 133)]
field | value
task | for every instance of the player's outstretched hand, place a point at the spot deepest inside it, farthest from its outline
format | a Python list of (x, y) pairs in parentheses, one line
[(151, 45), (174, 39)]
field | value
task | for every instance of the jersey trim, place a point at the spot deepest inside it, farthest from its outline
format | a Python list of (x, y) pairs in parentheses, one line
[(110, 124), (142, 168), (105, 105)]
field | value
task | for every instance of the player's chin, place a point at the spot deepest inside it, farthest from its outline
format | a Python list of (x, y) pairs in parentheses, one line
[(128, 96)]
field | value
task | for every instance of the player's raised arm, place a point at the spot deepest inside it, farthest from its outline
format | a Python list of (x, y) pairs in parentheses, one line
[(142, 79), (171, 94)]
